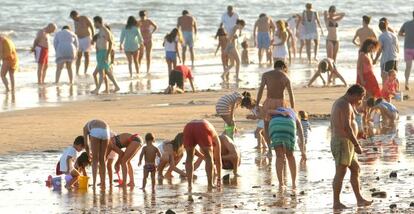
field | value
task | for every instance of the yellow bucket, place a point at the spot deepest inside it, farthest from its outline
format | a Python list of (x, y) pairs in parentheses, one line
[(83, 182)]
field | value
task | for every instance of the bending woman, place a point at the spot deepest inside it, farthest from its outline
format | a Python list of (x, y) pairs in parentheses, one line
[(132, 143), (98, 132)]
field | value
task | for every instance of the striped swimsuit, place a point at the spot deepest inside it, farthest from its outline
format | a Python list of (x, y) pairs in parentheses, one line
[(224, 104)]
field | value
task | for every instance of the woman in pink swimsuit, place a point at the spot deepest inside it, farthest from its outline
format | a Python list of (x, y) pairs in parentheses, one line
[(147, 28)]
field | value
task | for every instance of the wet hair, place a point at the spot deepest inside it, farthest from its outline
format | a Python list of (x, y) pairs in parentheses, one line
[(185, 12), (262, 15), (66, 27), (240, 22), (73, 13), (172, 35), (220, 32), (149, 137), (332, 9), (178, 141), (308, 5), (142, 13), (131, 22), (355, 89), (281, 25), (368, 42), (383, 25), (244, 45), (303, 115), (79, 140), (371, 102), (366, 19), (97, 19), (323, 65), (279, 64), (247, 100), (83, 160)]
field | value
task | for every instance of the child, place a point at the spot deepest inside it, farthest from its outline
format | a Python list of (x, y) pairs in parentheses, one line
[(391, 86), (327, 66), (222, 43), (170, 44), (66, 163), (109, 165), (245, 54), (80, 165), (150, 152), (304, 120)]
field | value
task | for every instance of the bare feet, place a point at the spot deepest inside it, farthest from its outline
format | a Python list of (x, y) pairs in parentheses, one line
[(363, 203), (407, 88), (131, 184), (95, 92), (339, 206)]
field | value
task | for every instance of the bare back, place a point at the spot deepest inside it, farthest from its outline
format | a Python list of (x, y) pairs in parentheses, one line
[(263, 24), (364, 33), (276, 83), (186, 23), (83, 27), (341, 115), (150, 153)]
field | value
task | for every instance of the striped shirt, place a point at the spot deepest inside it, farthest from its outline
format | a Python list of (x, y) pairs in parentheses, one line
[(225, 103), (305, 127)]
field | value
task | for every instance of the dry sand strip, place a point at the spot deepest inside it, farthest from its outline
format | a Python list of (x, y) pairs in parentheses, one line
[(49, 128)]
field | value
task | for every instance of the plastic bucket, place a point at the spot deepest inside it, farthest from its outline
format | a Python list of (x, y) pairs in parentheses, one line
[(57, 182), (229, 130), (83, 182)]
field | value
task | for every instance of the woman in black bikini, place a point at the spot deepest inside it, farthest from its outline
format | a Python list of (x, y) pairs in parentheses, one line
[(332, 40), (132, 143)]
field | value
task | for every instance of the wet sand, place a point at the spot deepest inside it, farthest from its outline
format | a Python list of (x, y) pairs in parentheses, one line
[(22, 186)]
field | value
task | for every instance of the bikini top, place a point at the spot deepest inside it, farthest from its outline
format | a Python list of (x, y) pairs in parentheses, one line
[(134, 137), (332, 24)]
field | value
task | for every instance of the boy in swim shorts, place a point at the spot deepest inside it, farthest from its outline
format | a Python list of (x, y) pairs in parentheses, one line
[(150, 152)]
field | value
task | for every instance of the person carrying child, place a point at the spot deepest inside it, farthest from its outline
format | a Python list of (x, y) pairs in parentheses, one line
[(150, 152)]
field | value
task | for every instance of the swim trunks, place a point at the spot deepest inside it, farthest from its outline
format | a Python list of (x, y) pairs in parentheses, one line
[(41, 55), (171, 55), (102, 62), (100, 133), (282, 132), (85, 44), (199, 133), (188, 38), (271, 104), (150, 167), (263, 40), (343, 151), (409, 54)]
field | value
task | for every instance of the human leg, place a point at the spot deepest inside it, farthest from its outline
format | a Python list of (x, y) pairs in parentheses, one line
[(148, 50), (184, 50), (78, 62), (144, 178), (59, 68), (408, 65), (86, 61), (135, 59), (329, 49), (189, 166), (153, 180), (70, 73), (316, 48), (355, 183), (191, 56), (337, 185), (280, 164), (208, 158), (129, 58), (4, 69), (102, 160), (95, 149), (109, 164), (129, 153), (292, 166)]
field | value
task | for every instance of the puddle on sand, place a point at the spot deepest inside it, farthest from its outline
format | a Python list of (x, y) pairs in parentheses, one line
[(22, 186)]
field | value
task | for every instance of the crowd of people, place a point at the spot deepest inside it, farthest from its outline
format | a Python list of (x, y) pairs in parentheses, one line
[(279, 125)]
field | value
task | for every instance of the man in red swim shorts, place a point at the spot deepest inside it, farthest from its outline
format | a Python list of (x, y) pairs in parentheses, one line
[(41, 51), (202, 133)]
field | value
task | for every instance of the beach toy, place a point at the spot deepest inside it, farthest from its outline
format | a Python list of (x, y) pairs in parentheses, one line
[(229, 130), (399, 96), (57, 183), (68, 178), (83, 182), (49, 181), (120, 181)]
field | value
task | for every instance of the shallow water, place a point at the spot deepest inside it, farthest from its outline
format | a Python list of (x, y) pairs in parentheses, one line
[(33, 15), (23, 190)]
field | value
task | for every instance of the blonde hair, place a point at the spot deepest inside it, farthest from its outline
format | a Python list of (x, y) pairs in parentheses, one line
[(281, 25)]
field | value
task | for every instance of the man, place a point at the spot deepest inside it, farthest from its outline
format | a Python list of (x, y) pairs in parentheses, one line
[(364, 32), (85, 31), (41, 50), (229, 19), (10, 61), (407, 30), (344, 144), (389, 50), (276, 82), (264, 27), (230, 154), (176, 79), (188, 25), (202, 133), (104, 44)]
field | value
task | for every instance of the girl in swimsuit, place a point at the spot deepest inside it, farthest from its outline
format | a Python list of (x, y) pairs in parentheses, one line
[(147, 27), (331, 21), (222, 43), (231, 49), (131, 143)]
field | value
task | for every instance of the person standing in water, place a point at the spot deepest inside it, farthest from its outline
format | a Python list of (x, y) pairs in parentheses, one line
[(388, 50), (131, 41), (332, 40), (188, 26), (262, 32), (84, 30), (41, 50), (345, 145), (229, 19), (407, 30), (66, 45), (310, 21), (364, 32), (10, 61), (147, 27)]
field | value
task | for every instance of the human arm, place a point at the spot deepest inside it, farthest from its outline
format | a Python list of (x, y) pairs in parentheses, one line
[(90, 25), (339, 16), (402, 30), (155, 26), (141, 156), (291, 96), (254, 33), (218, 47), (35, 42), (360, 69), (377, 55), (217, 157), (350, 135), (355, 37), (301, 138), (318, 22), (192, 84), (261, 87), (86, 138), (121, 41), (232, 109), (110, 43), (195, 27)]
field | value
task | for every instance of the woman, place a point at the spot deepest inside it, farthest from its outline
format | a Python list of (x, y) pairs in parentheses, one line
[(171, 154), (332, 41), (131, 35), (131, 143), (282, 133), (365, 73), (66, 45), (225, 109), (147, 28), (231, 50), (310, 21), (10, 60), (170, 44), (221, 36), (98, 132), (280, 51)]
